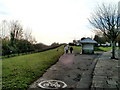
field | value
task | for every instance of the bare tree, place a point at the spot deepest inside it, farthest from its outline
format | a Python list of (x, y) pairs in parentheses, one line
[(107, 19), (28, 36), (4, 29), (16, 31)]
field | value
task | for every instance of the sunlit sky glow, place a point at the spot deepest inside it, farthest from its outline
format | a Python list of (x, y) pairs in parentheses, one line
[(52, 20)]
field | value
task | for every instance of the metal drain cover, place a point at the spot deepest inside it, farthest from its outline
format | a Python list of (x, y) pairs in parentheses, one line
[(52, 84)]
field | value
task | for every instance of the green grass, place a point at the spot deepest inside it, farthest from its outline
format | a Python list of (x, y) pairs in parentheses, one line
[(21, 71), (102, 48), (76, 48)]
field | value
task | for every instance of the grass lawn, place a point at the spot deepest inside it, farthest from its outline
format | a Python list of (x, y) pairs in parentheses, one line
[(76, 48), (102, 48), (21, 71)]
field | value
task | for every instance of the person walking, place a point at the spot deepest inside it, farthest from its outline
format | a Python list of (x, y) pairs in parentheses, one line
[(71, 49), (66, 49)]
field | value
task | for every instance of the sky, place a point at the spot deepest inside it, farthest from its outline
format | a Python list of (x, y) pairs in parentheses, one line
[(51, 21)]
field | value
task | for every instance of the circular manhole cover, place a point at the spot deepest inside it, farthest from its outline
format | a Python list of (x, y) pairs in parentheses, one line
[(52, 84)]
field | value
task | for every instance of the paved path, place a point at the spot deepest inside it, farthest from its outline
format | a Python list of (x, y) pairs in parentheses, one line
[(106, 72), (84, 71), (74, 69)]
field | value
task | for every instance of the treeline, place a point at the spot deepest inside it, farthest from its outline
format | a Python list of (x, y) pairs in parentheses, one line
[(40, 47), (17, 40), (102, 39)]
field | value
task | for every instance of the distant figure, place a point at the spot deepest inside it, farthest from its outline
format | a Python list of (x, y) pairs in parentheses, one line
[(71, 49), (66, 49)]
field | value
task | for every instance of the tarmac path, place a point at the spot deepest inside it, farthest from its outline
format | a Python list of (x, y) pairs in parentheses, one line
[(73, 69)]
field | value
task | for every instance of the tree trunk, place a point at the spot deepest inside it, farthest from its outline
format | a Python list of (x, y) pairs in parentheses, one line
[(113, 50), (119, 44)]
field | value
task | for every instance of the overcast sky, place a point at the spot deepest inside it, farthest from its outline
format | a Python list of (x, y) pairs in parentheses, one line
[(52, 20)]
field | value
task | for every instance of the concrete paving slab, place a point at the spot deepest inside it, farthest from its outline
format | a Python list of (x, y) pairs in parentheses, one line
[(106, 72)]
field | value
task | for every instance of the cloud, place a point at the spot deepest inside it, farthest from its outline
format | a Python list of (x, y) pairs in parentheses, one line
[(51, 20), (4, 13)]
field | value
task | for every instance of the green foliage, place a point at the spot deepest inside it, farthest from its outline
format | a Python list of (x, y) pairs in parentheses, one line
[(101, 39), (21, 46), (102, 48), (24, 46), (13, 41), (21, 71), (5, 47)]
